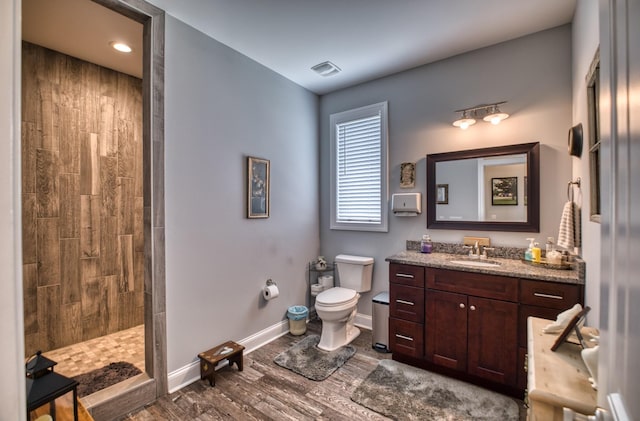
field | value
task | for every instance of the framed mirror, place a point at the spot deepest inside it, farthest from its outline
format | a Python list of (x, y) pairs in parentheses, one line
[(488, 189)]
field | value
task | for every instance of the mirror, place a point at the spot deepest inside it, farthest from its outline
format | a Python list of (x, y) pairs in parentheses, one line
[(489, 189)]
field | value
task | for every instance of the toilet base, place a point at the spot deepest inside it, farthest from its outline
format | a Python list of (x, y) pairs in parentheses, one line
[(336, 335)]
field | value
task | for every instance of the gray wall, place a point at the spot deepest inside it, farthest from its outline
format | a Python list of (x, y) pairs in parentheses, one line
[(532, 73), (221, 107), (585, 41)]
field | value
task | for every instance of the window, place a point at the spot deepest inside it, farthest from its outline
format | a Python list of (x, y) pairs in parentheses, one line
[(359, 169), (593, 100)]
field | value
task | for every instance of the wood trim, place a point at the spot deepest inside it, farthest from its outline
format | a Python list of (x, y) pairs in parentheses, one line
[(153, 20)]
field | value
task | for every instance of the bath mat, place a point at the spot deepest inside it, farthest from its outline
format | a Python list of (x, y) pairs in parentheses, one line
[(306, 359), (104, 377), (402, 392)]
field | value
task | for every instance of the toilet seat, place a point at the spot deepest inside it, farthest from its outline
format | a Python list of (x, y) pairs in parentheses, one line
[(336, 296)]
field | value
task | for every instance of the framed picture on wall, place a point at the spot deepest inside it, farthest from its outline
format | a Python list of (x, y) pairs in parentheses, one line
[(504, 191), (407, 175), (257, 187)]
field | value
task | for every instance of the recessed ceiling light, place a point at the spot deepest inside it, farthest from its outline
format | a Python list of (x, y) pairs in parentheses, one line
[(326, 69), (120, 46)]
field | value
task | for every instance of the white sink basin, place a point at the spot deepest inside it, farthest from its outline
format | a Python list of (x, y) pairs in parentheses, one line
[(476, 263)]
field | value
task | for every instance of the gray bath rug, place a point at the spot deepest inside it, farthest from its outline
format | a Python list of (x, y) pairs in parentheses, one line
[(306, 359), (402, 392), (104, 377)]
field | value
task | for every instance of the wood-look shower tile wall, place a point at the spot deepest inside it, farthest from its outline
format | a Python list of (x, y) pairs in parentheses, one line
[(82, 209)]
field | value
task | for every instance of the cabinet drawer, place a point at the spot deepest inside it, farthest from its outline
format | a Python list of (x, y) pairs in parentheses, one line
[(406, 303), (475, 284), (550, 294), (406, 338), (406, 275)]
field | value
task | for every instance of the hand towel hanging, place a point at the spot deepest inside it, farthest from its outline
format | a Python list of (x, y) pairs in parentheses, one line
[(569, 235)]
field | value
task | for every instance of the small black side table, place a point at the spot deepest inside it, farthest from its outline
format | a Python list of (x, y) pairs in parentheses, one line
[(48, 388)]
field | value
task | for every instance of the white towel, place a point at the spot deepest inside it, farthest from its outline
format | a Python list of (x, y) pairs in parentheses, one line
[(569, 235), (562, 320)]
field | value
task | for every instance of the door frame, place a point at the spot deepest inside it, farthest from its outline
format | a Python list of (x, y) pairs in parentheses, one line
[(154, 382)]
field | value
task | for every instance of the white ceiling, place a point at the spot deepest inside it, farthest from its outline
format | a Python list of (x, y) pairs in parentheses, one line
[(367, 39)]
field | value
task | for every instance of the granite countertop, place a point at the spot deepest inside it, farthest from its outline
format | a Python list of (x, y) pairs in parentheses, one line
[(508, 267)]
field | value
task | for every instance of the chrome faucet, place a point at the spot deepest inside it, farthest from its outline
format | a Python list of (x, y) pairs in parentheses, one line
[(474, 251)]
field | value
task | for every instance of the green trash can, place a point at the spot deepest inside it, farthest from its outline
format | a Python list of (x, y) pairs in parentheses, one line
[(297, 316)]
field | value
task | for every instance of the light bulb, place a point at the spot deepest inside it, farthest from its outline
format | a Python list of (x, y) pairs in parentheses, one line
[(120, 46)]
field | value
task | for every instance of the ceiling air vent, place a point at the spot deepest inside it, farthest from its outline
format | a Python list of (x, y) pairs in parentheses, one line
[(326, 69)]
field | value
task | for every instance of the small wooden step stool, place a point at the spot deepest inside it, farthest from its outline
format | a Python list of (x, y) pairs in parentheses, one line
[(209, 359)]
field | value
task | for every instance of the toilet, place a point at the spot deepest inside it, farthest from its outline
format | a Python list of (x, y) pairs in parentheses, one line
[(336, 307)]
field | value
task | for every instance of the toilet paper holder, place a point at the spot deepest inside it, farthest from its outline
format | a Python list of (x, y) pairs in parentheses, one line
[(270, 282)]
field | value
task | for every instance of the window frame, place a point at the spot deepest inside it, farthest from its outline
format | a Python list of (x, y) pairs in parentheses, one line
[(335, 119), (595, 140)]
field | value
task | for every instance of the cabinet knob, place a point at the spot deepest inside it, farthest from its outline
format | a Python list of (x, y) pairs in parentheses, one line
[(461, 305), (472, 308)]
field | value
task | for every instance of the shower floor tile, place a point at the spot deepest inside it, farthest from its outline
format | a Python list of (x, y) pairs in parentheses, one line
[(126, 345)]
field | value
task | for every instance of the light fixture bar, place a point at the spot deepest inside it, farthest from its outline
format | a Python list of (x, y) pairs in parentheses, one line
[(488, 112)]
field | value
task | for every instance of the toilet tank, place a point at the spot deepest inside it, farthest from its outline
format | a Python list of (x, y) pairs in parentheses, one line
[(355, 272)]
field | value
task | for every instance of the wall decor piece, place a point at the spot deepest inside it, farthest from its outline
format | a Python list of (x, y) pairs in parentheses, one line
[(257, 187), (504, 191), (442, 194), (407, 175)]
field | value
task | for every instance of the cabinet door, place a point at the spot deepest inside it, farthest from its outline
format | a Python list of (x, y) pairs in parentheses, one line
[(492, 346), (446, 329)]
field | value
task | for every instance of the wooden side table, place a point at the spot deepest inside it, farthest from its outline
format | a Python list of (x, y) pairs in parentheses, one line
[(555, 379), (210, 359)]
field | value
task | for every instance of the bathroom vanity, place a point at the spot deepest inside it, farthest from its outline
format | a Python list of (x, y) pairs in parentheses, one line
[(471, 322)]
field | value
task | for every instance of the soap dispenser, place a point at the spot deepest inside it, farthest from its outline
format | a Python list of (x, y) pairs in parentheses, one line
[(536, 252), (425, 244), (528, 254)]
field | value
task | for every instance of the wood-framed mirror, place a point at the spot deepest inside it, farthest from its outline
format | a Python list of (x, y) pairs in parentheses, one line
[(489, 189)]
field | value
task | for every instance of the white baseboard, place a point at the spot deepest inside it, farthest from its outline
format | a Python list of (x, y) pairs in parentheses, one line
[(190, 373), (364, 321)]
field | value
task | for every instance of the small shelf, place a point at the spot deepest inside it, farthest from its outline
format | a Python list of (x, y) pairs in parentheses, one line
[(312, 278)]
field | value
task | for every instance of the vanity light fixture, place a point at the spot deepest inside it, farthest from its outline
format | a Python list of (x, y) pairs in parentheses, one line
[(495, 116), (488, 112), (120, 46), (464, 122)]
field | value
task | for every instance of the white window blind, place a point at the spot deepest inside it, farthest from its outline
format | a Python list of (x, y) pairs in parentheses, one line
[(359, 163)]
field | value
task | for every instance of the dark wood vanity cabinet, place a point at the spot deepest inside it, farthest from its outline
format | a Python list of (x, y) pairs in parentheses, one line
[(406, 310), (469, 322)]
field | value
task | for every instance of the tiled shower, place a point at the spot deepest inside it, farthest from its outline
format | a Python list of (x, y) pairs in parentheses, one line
[(82, 200)]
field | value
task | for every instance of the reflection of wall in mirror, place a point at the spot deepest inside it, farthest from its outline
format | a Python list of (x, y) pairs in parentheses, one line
[(457, 175), (471, 178)]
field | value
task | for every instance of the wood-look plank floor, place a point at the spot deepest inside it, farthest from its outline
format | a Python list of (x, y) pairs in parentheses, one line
[(266, 391)]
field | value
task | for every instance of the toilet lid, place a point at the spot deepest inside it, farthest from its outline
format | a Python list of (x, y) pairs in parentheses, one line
[(335, 296)]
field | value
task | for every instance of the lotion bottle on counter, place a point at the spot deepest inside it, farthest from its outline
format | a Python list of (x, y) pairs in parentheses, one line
[(536, 253), (528, 254), (425, 244)]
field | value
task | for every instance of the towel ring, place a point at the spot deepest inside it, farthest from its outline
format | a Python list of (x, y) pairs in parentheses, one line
[(570, 190)]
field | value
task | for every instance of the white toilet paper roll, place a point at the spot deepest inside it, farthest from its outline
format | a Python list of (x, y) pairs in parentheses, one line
[(316, 289), (326, 281), (270, 292)]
